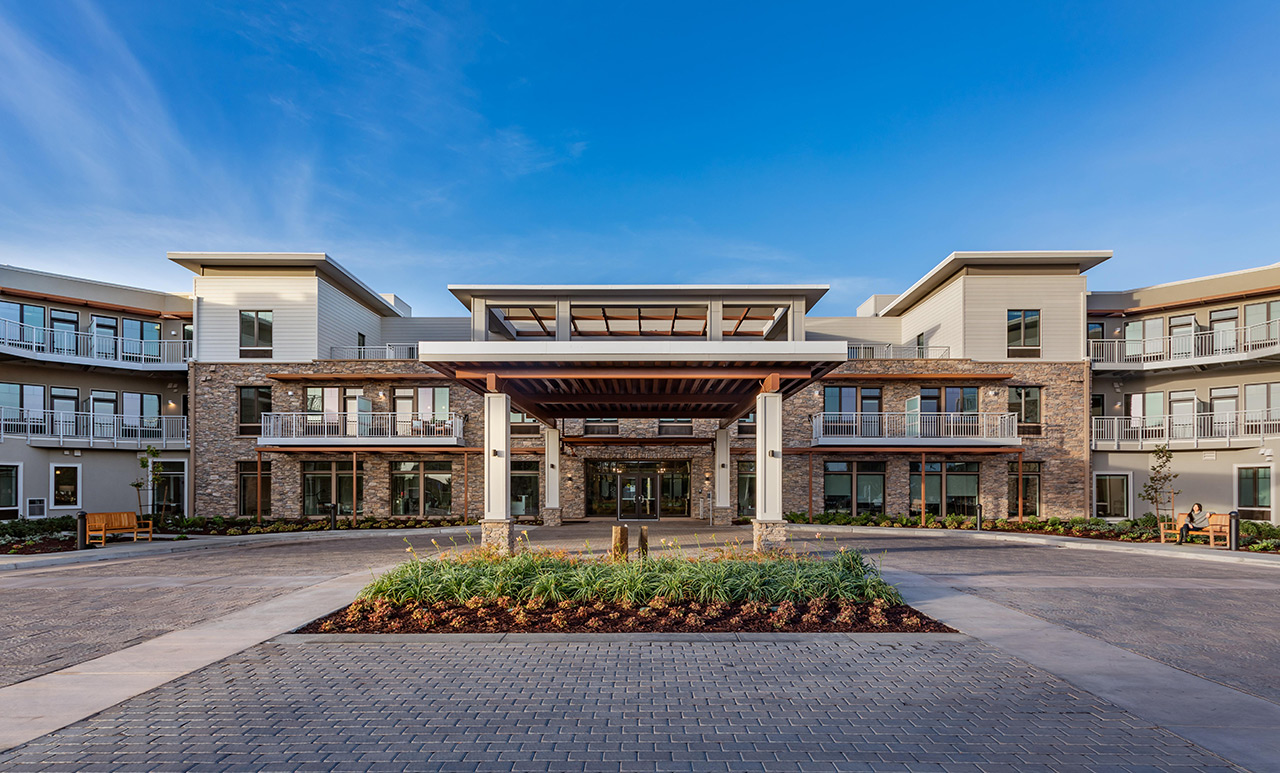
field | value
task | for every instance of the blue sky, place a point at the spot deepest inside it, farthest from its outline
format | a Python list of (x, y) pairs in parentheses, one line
[(852, 143)]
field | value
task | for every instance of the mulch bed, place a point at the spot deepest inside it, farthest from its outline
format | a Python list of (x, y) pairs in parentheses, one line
[(506, 616), (40, 545)]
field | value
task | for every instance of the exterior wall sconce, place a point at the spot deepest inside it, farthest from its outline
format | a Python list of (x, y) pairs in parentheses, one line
[(496, 452), (775, 454)]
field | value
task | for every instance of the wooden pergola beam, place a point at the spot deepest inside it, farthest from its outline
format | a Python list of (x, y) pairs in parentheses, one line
[(625, 399), (631, 372)]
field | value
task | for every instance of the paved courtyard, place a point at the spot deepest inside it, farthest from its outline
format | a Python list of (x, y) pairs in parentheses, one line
[(834, 703)]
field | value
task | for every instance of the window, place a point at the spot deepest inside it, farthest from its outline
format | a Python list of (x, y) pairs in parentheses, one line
[(864, 401), (1111, 495), (104, 333), (21, 403), (837, 399), (1144, 338), (961, 400), (360, 340), (952, 483), (1030, 489), (10, 491), (747, 489), (837, 487), (140, 415), (140, 341), (169, 495), (247, 473), (1182, 336), (675, 426), (524, 488), (188, 332), (255, 334), (421, 488), (1262, 407), (524, 424), (600, 427), (1097, 405), (21, 323), (1024, 333), (64, 485), (1262, 323), (1253, 493), (1222, 323), (64, 326), (1146, 411), (1024, 402), (254, 401), (853, 487), (1094, 331), (325, 484), (419, 404), (747, 425), (1182, 414)]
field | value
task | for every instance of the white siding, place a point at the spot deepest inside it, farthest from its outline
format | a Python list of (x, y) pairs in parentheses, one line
[(861, 330), (411, 330), (939, 318), (340, 318), (988, 300), (292, 300)]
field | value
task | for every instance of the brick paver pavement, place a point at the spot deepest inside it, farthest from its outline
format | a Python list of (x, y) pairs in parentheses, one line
[(819, 705)]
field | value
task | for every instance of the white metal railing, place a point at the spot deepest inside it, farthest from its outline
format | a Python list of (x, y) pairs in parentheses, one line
[(897, 352), (91, 346), (1185, 428), (384, 352), (911, 425), (364, 426), (105, 429), (1235, 342)]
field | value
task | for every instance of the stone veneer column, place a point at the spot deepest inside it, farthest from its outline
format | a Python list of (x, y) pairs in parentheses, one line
[(496, 530), (551, 459), (770, 530)]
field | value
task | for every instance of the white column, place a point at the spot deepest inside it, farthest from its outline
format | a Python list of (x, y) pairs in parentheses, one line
[(769, 457), (553, 467), (721, 476), (497, 457), (564, 321)]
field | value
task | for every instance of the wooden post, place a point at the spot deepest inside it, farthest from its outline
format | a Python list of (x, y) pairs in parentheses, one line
[(259, 483), (621, 543), (466, 489), (354, 488), (643, 545)]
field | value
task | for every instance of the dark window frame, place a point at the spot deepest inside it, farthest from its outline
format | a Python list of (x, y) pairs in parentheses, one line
[(1025, 333)]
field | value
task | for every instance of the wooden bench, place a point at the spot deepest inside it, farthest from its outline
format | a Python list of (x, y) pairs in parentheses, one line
[(1217, 528), (1171, 528), (101, 524)]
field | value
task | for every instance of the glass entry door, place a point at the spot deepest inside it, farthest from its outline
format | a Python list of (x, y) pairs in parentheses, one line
[(637, 497)]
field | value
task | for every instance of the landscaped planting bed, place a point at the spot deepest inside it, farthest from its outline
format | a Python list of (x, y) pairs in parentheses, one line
[(555, 592), (1255, 536)]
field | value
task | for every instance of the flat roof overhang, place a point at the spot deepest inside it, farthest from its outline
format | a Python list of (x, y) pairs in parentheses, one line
[(636, 379)]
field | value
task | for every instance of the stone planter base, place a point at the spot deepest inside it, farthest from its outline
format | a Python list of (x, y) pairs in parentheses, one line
[(768, 535), (499, 535), (721, 516), (551, 516)]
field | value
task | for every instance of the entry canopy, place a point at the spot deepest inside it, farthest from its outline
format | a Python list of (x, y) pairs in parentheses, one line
[(550, 380)]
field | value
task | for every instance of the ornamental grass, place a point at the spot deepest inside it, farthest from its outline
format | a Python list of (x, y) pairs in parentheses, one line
[(729, 577)]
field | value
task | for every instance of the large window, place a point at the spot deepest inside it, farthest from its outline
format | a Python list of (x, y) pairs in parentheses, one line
[(254, 401), (851, 399), (1030, 489), (169, 496), (255, 334), (675, 426), (140, 341), (524, 488), (1262, 323), (1222, 322), (952, 483), (600, 427), (1111, 495), (247, 475), (65, 485), (21, 404), (428, 402), (1024, 402), (10, 491), (853, 486), (20, 323), (325, 484), (421, 488), (962, 399), (65, 325), (747, 489), (1024, 333), (1253, 493)]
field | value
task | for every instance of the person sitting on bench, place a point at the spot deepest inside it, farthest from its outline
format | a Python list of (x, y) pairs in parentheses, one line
[(1193, 523)]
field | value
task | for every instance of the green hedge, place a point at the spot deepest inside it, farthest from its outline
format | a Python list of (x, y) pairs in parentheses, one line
[(555, 578), (27, 528)]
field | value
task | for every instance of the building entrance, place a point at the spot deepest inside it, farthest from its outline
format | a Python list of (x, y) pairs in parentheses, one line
[(637, 491)]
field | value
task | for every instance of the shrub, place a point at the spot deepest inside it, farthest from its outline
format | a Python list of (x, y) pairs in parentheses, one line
[(26, 528)]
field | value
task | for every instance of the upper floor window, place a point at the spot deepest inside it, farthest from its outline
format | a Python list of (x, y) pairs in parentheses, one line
[(425, 402), (1024, 402), (255, 334), (1024, 332), (961, 399), (360, 340), (523, 424), (851, 399), (675, 426), (1094, 331), (600, 427), (747, 425), (254, 401)]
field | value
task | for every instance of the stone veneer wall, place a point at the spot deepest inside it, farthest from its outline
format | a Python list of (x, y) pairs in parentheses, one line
[(1062, 449)]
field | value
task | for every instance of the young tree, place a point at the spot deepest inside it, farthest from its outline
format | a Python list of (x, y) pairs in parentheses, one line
[(1159, 486), (150, 477)]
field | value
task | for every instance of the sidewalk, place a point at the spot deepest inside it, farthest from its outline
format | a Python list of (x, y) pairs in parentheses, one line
[(126, 550)]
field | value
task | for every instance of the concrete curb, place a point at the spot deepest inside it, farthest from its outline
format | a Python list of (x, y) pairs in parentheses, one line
[(143, 549), (612, 638), (1053, 540), (1234, 725), (47, 703)]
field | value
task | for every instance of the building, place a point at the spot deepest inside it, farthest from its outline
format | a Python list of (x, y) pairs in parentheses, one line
[(91, 374), (997, 384)]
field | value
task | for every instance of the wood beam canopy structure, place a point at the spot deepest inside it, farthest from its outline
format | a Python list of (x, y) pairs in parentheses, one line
[(549, 391)]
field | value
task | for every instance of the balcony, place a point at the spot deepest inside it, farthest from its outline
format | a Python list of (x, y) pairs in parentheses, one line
[(1223, 429), (1188, 350), (384, 352), (71, 347), (74, 429), (361, 429), (895, 352), (916, 429)]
